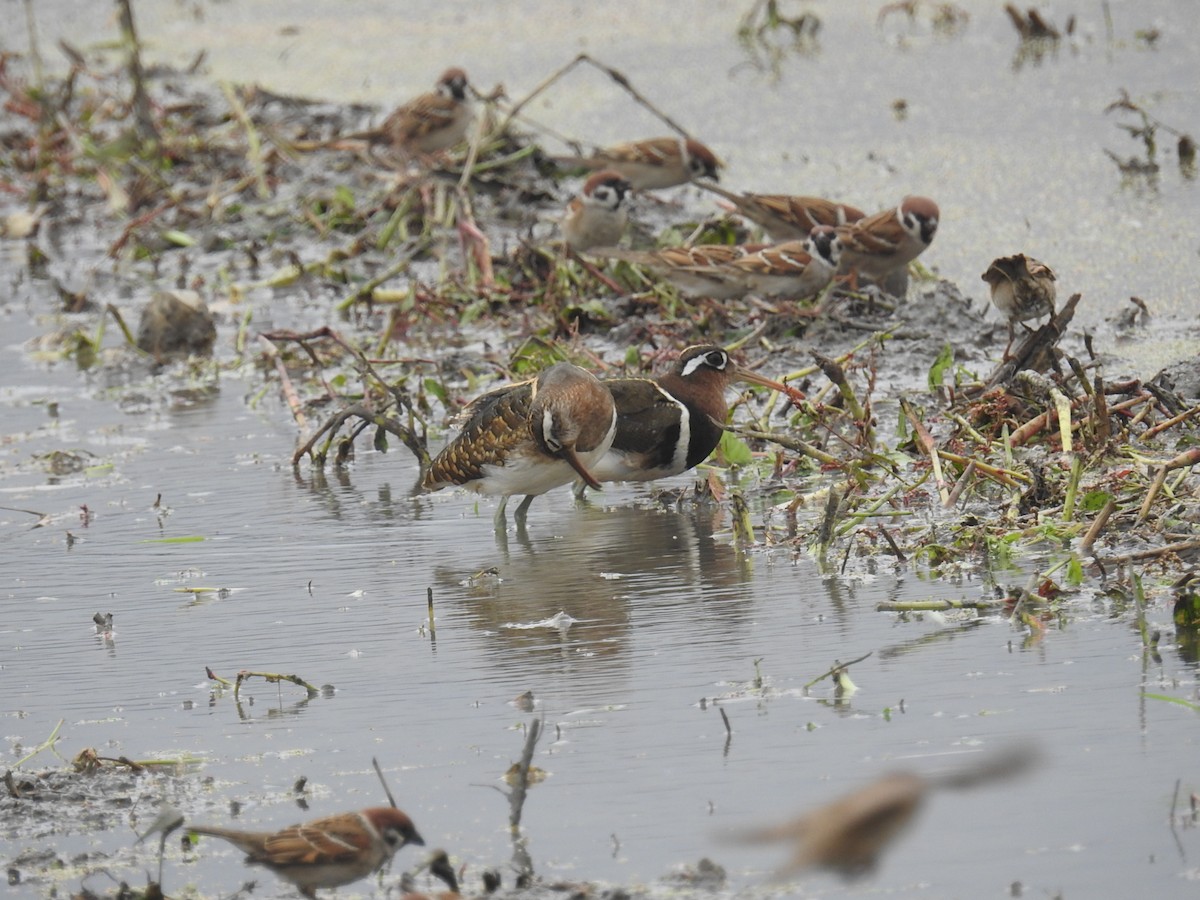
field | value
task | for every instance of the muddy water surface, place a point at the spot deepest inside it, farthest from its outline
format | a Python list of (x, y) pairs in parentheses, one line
[(623, 615)]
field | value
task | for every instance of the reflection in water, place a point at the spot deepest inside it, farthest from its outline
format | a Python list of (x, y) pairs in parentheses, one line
[(588, 583)]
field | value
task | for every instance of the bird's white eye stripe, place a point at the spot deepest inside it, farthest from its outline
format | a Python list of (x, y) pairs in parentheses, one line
[(548, 434)]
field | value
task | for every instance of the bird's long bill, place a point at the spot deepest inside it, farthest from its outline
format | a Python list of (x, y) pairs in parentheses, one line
[(572, 458), (754, 378)]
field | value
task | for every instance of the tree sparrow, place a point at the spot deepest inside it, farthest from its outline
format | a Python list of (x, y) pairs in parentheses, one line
[(652, 164), (887, 241), (699, 271), (597, 216), (1022, 289), (793, 269), (431, 122), (325, 853), (786, 217)]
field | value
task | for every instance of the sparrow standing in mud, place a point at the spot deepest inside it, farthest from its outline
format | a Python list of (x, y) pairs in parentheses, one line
[(1022, 289), (886, 242), (793, 269), (431, 122), (653, 164), (325, 853), (598, 215), (786, 217)]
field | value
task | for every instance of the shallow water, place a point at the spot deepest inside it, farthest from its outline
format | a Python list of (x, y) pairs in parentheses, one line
[(326, 576)]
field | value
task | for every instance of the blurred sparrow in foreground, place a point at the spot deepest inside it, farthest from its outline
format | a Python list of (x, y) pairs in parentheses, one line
[(325, 853), (431, 122), (654, 163), (793, 269), (850, 834), (597, 216), (1022, 289), (888, 241), (787, 217)]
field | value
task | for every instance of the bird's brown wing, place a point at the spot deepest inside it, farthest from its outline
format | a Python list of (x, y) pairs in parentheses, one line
[(497, 422), (335, 839)]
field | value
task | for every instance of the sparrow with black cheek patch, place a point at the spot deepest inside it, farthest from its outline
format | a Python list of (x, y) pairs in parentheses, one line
[(325, 853), (597, 216), (699, 271), (786, 217), (794, 269), (431, 122), (881, 244), (652, 164), (1022, 289)]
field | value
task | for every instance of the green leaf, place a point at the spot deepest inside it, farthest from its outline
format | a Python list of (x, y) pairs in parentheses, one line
[(1195, 707), (1075, 572), (381, 440), (1093, 501), (938, 370), (437, 389), (734, 451)]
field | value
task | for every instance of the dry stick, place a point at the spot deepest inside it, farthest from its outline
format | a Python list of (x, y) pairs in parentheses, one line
[(1103, 426), (825, 532), (925, 442), (613, 74), (932, 605), (410, 439), (1006, 477), (273, 678), (406, 436), (836, 668), (387, 790), (961, 485), (429, 605), (597, 274), (1089, 539), (143, 116), (1164, 550), (1162, 426), (285, 382), (1187, 458)]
